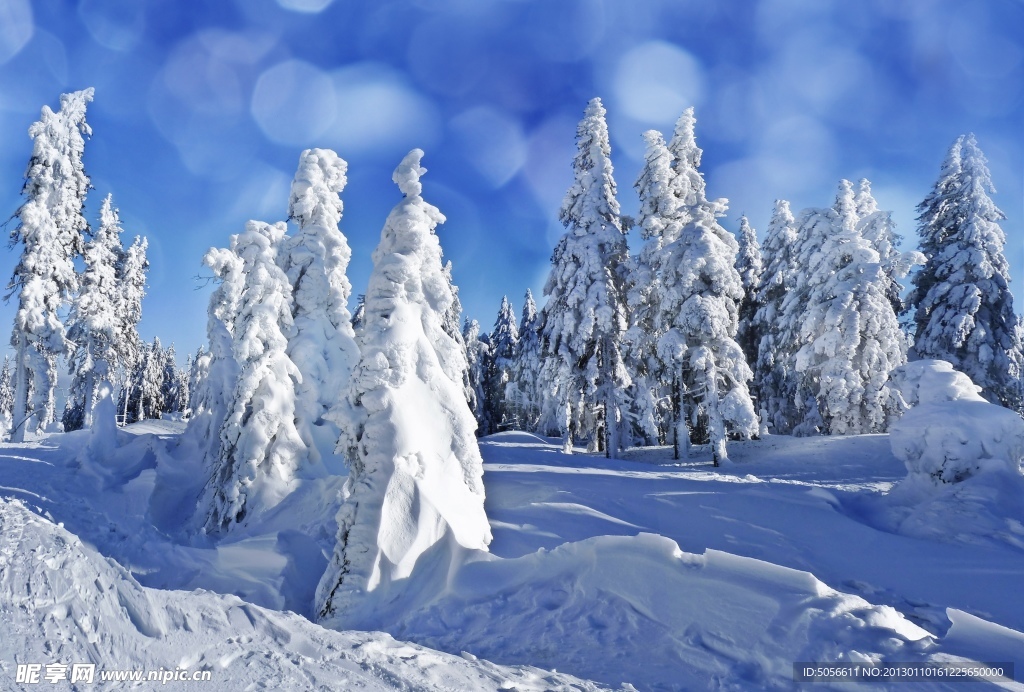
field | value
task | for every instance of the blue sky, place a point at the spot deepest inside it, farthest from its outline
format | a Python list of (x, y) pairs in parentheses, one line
[(202, 109)]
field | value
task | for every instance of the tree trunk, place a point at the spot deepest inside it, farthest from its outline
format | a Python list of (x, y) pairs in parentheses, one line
[(611, 424), (90, 381), (567, 431), (19, 415)]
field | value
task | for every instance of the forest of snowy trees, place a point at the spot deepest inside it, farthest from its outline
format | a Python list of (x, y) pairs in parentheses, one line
[(696, 336)]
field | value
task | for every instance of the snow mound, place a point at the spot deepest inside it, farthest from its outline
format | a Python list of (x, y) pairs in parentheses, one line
[(951, 434), (62, 602), (639, 610), (963, 458)]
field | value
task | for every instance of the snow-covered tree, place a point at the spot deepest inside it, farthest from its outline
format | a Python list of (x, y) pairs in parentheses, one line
[(357, 314), (478, 354), (323, 344), (217, 371), (143, 397), (453, 325), (131, 271), (697, 317), (750, 266), (261, 452), (173, 394), (185, 385), (93, 322), (963, 305), (50, 228), (6, 392), (775, 379), (584, 318), (198, 373), (503, 342), (850, 338), (662, 215), (151, 384), (6, 396), (522, 392), (879, 229), (415, 494)]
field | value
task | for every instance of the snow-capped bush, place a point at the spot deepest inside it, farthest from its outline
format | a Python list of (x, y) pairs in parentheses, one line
[(950, 433)]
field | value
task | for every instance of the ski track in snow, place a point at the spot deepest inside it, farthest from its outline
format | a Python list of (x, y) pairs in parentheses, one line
[(717, 586)]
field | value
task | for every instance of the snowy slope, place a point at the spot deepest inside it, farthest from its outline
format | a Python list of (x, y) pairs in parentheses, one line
[(658, 573), (62, 602)]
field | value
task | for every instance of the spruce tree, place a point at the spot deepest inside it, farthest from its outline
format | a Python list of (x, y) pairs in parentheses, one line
[(523, 390), (172, 394), (963, 305), (584, 318), (131, 271), (850, 338), (415, 494), (504, 340), (50, 228), (261, 452), (662, 216), (879, 229), (6, 396), (217, 371), (323, 344), (750, 266), (151, 382), (478, 354), (94, 320), (775, 380), (697, 317)]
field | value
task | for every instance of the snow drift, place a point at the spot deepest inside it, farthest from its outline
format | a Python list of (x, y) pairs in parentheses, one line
[(963, 459), (62, 602)]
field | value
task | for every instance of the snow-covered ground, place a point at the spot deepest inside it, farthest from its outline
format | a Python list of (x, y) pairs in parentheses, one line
[(645, 571)]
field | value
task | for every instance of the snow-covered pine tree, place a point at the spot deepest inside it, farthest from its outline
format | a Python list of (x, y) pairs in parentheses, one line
[(963, 305), (850, 337), (93, 322), (50, 227), (151, 382), (415, 494), (879, 229), (453, 326), (198, 373), (661, 217), (261, 451), (6, 395), (478, 354), (323, 344), (522, 392), (171, 393), (503, 342), (131, 271), (697, 317), (357, 314), (775, 380), (217, 371), (184, 386), (584, 319), (750, 266)]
